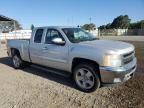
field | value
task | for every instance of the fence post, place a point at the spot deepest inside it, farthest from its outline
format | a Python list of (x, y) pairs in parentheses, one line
[(98, 33), (5, 36), (22, 35), (0, 44)]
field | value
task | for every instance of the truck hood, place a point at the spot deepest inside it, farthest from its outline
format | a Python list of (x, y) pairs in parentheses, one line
[(110, 45)]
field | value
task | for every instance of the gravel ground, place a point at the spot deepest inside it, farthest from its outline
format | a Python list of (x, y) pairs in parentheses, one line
[(35, 88)]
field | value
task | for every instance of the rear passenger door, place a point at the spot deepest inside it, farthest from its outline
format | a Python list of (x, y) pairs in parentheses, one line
[(36, 46)]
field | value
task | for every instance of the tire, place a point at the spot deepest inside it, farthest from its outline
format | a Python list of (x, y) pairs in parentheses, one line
[(86, 78), (18, 63)]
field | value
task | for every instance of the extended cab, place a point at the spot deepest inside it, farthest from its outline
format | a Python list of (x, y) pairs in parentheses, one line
[(91, 61)]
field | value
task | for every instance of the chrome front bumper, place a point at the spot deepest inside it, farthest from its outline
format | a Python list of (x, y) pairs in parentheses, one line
[(112, 75)]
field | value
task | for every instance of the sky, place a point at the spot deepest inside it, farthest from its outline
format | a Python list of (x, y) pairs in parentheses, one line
[(70, 12)]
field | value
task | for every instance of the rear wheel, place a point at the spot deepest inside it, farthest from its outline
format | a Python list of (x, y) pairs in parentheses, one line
[(86, 77), (18, 63)]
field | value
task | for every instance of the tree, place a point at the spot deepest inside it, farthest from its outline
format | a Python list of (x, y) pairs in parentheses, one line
[(17, 25), (32, 27), (10, 26), (102, 27), (121, 22), (108, 26), (89, 27), (137, 25)]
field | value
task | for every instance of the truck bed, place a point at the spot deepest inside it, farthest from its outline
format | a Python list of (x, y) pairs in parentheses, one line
[(22, 45)]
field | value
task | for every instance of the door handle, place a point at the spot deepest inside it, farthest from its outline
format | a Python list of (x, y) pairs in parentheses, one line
[(45, 48)]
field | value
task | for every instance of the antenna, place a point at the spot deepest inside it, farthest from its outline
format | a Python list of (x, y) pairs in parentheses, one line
[(90, 19)]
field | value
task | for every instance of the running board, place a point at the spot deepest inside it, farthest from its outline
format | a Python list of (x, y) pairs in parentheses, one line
[(52, 70)]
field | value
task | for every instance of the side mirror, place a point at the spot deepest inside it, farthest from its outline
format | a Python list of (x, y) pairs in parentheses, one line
[(58, 41)]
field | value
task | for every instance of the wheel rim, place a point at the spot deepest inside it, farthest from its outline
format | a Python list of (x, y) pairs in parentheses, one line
[(85, 78), (16, 61)]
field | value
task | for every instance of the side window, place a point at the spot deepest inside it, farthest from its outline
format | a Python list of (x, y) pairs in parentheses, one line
[(38, 36), (51, 34)]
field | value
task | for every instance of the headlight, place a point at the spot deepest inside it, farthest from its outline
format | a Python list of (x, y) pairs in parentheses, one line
[(112, 60)]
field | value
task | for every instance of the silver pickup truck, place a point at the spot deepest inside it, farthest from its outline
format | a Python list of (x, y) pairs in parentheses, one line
[(91, 62)]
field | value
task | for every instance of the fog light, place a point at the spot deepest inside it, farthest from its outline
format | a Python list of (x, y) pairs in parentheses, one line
[(117, 80)]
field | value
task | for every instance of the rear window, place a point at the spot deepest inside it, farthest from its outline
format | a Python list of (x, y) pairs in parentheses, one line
[(38, 36)]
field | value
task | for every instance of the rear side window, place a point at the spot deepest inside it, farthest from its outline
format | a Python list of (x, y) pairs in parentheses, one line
[(38, 36)]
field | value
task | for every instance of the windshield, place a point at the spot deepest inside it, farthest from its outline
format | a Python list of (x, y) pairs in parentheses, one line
[(76, 35)]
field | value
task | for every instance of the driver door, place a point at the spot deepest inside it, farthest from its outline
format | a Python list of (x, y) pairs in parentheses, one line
[(54, 56)]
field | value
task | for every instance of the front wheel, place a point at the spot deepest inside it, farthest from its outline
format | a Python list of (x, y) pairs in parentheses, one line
[(86, 77)]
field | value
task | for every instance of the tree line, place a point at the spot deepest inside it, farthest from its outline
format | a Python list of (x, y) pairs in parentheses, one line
[(120, 22), (123, 22)]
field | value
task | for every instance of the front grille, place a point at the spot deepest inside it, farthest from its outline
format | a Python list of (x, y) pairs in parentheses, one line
[(128, 54), (132, 68), (128, 57)]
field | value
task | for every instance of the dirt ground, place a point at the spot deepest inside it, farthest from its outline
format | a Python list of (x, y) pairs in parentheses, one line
[(35, 88)]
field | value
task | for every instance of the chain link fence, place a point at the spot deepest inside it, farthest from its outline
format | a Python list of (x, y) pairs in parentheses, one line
[(121, 32), (5, 36)]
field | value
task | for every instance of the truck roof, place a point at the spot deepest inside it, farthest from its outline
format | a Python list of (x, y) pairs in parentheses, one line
[(56, 27)]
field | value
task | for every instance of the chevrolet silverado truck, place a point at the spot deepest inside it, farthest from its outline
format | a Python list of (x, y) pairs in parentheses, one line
[(91, 62)]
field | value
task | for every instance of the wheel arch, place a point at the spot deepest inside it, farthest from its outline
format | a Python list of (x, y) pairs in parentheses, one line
[(15, 51), (79, 60)]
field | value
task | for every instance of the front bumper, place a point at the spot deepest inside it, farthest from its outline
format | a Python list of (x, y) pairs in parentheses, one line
[(111, 75)]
